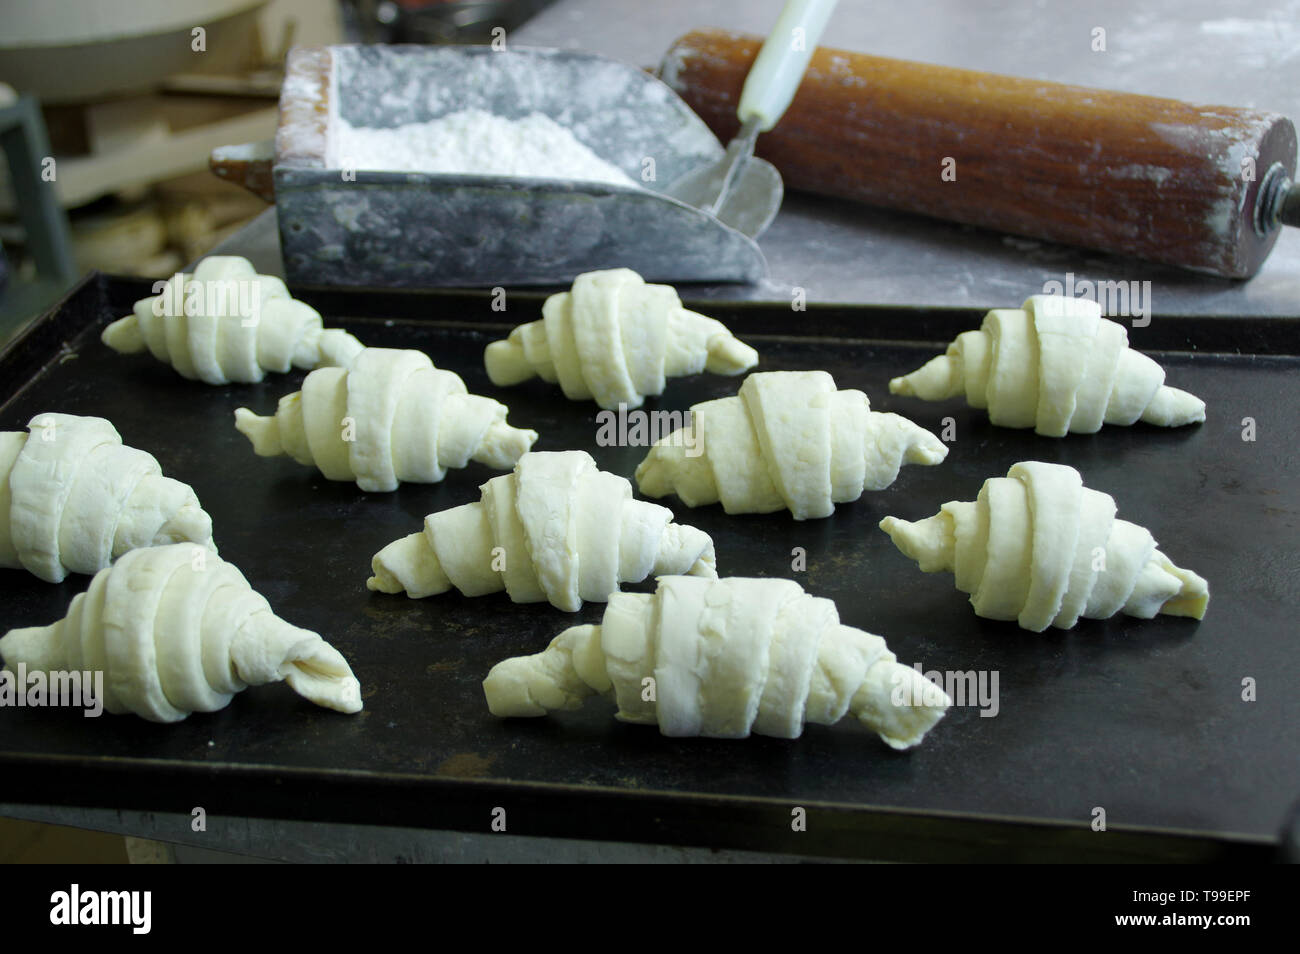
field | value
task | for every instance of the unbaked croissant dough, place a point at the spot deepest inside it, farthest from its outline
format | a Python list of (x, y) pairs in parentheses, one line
[(1040, 548), (177, 630), (723, 658), (788, 439), (1054, 365), (73, 498), (616, 339), (205, 334), (392, 416), (557, 529)]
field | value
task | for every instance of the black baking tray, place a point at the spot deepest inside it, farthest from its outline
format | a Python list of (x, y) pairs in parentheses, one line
[(1143, 719)]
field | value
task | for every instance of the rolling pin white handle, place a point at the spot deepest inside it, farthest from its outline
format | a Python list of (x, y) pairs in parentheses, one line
[(781, 63)]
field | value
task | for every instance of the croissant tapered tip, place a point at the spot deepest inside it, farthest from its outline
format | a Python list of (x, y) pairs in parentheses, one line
[(319, 673), (937, 379), (1173, 407), (558, 678), (916, 705), (268, 649), (506, 364), (124, 336), (929, 542), (925, 449), (190, 524), (34, 647), (729, 355), (670, 468), (706, 566), (653, 475), (1192, 606), (899, 531), (336, 348), (263, 432), (408, 565), (1192, 599), (685, 550), (507, 692), (383, 580), (401, 552), (503, 445)]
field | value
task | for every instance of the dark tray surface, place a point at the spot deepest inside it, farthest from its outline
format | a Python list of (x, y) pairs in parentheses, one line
[(1142, 718)]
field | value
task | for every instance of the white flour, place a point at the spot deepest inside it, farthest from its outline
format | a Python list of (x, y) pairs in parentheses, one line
[(473, 142)]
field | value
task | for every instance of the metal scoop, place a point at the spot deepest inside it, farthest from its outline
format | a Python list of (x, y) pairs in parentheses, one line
[(740, 190), (394, 229)]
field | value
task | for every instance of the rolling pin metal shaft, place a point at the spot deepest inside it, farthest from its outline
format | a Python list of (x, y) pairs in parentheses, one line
[(1202, 187)]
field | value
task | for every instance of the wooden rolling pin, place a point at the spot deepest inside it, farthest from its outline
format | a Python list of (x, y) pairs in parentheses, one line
[(1136, 175)]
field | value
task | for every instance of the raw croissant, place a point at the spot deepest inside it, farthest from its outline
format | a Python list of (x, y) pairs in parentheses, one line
[(615, 338), (1054, 365), (392, 416), (788, 439), (73, 498), (557, 529), (722, 658), (210, 329), (177, 630), (1040, 548)]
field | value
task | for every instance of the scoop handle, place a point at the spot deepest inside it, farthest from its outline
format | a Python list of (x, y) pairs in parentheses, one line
[(781, 63)]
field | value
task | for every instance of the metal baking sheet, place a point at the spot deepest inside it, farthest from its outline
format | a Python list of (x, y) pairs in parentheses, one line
[(1144, 719)]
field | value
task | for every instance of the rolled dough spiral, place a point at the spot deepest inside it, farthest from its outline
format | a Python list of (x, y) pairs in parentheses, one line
[(723, 658), (1054, 365), (176, 630), (789, 439), (211, 337), (557, 529), (1040, 548), (392, 416), (616, 339), (73, 498)]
